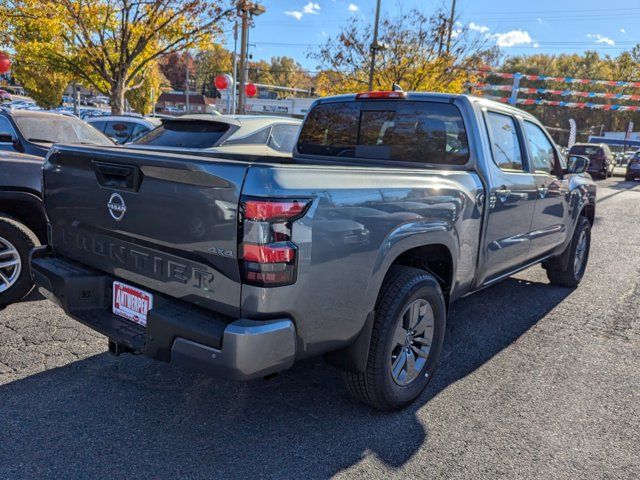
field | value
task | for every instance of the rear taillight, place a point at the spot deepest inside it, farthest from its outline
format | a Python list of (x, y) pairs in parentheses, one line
[(267, 254)]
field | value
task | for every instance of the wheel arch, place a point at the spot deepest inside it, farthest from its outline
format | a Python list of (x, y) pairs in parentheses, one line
[(25, 207)]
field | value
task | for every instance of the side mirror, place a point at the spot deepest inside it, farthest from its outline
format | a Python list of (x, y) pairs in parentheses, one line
[(6, 137), (577, 164)]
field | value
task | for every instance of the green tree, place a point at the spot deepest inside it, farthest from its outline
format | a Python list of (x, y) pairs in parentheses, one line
[(109, 44), (143, 99)]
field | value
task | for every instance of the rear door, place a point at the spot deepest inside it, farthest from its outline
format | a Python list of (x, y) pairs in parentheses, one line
[(165, 222), (549, 225), (512, 197)]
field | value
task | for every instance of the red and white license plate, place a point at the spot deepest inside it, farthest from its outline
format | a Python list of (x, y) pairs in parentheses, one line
[(131, 303)]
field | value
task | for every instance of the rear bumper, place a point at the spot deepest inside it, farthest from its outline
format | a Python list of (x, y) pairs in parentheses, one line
[(176, 332)]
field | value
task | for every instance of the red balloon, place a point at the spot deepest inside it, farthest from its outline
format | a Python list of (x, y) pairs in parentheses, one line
[(251, 90), (222, 82), (5, 63)]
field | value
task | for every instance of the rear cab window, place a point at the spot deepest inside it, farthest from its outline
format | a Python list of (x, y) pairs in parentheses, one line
[(405, 131)]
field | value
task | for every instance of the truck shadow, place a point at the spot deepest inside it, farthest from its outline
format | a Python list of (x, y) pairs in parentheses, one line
[(130, 417)]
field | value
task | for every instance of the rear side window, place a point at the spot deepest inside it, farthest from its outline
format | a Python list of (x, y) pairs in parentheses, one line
[(257, 138), (185, 134), (418, 132), (98, 125), (505, 144), (283, 137), (119, 130)]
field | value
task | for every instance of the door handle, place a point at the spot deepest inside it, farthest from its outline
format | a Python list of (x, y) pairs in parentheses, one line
[(503, 193), (542, 191)]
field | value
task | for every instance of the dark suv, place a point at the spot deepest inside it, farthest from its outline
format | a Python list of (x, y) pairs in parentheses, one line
[(633, 167), (25, 139), (601, 163)]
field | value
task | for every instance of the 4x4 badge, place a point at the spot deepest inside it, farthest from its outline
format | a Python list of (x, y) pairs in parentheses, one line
[(116, 206)]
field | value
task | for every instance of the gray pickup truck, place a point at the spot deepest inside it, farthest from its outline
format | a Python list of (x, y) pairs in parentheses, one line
[(393, 206)]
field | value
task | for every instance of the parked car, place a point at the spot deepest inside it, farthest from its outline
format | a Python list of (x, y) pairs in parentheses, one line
[(5, 96), (393, 206), (123, 128), (633, 167), (25, 138), (601, 162), (231, 134)]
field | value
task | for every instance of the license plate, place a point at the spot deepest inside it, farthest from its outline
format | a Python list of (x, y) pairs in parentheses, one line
[(131, 303)]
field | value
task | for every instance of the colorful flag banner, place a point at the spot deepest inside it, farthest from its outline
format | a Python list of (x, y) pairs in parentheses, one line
[(547, 78), (562, 103), (564, 93)]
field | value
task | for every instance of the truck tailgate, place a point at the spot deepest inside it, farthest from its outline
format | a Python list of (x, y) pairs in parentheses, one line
[(165, 222)]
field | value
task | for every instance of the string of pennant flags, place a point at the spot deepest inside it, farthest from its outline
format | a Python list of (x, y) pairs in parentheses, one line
[(562, 103), (547, 78), (515, 89), (563, 93)]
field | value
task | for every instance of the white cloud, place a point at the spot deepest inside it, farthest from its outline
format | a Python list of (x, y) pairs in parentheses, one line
[(513, 38), (295, 14), (536, 45), (597, 38), (539, 20), (456, 32), (622, 30), (353, 7), (478, 28), (311, 8)]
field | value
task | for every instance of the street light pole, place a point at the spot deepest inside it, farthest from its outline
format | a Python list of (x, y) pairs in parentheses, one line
[(374, 47), (245, 8)]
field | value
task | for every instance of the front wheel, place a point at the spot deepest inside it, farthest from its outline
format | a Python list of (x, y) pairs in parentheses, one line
[(570, 273), (406, 341), (15, 244)]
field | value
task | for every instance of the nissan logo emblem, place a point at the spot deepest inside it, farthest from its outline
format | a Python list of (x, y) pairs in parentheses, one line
[(116, 207)]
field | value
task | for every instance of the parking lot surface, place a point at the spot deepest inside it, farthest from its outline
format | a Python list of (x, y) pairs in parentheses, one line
[(536, 381)]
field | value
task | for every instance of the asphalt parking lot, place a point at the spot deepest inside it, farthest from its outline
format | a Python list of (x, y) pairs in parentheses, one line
[(536, 382)]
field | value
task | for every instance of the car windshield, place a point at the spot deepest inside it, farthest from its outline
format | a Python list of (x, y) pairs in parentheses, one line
[(59, 129), (185, 134)]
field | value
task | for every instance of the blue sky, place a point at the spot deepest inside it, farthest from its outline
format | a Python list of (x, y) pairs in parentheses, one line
[(291, 27)]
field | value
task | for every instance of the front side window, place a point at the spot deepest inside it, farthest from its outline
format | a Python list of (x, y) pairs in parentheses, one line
[(543, 156), (505, 144), (406, 131)]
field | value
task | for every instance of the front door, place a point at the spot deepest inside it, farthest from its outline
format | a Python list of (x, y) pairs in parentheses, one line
[(549, 227), (511, 199)]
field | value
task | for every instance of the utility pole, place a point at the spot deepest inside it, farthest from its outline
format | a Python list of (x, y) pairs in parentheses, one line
[(186, 89), (234, 89), (374, 47), (245, 8), (452, 19)]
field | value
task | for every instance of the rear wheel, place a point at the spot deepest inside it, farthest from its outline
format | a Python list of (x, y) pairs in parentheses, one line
[(571, 274), (15, 244), (406, 341)]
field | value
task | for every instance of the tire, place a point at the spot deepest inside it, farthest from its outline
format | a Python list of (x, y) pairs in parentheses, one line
[(404, 288), (15, 278), (627, 178), (571, 275)]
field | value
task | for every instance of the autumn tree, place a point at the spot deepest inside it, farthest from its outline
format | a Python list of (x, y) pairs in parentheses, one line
[(415, 56), (143, 99), (109, 45)]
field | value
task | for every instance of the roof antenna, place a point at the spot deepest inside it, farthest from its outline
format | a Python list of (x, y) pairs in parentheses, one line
[(397, 88)]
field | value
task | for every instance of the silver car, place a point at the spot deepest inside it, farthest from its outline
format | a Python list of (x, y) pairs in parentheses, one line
[(247, 134)]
